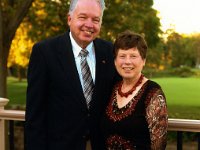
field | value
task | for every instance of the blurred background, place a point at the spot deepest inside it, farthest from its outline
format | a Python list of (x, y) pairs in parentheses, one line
[(171, 28)]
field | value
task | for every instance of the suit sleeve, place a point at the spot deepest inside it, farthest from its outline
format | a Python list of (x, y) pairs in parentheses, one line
[(35, 118)]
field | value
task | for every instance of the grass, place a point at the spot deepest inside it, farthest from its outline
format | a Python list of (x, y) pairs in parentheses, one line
[(181, 91), (183, 99), (183, 96), (16, 91)]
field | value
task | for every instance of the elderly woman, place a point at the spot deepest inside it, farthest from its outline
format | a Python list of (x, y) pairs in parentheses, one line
[(136, 116)]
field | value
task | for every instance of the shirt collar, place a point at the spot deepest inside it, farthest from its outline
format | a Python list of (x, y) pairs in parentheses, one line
[(76, 48)]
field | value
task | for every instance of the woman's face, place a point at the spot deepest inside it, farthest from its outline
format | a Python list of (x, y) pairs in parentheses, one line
[(129, 63)]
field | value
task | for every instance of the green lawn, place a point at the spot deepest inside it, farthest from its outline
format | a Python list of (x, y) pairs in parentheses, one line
[(183, 95), (16, 91), (181, 91)]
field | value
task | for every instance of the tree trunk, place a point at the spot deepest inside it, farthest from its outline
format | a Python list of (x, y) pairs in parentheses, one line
[(7, 32), (3, 75), (19, 75), (3, 69), (2, 62), (3, 59)]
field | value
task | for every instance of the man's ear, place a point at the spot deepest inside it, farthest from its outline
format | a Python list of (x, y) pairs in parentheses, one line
[(69, 19)]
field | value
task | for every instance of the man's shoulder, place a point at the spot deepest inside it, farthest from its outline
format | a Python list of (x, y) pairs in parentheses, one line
[(52, 40), (99, 40), (103, 43), (52, 44)]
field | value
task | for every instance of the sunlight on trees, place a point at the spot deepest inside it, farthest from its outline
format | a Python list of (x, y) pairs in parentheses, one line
[(20, 48), (12, 14), (49, 19), (41, 12)]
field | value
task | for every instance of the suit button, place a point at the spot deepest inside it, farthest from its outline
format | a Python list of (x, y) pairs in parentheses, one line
[(84, 137)]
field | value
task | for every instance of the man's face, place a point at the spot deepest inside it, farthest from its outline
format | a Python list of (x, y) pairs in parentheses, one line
[(85, 22)]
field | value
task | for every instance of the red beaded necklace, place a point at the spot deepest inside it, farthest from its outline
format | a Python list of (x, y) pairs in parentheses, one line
[(131, 90)]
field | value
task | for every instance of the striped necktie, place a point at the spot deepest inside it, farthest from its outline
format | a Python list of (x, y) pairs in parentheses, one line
[(88, 84)]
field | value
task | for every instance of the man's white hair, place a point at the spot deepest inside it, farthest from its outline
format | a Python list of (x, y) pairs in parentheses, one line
[(73, 4)]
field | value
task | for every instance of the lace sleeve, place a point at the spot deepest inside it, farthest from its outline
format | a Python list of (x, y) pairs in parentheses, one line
[(157, 119)]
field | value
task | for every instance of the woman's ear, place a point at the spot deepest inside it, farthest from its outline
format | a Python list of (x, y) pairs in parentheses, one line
[(115, 61), (144, 62)]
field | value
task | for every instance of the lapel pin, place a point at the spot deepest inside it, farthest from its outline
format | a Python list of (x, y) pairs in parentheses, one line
[(103, 61)]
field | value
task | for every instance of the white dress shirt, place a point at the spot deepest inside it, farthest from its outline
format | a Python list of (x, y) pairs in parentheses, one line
[(91, 60)]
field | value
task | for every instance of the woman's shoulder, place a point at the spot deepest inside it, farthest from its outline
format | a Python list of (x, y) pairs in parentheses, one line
[(153, 84), (154, 88)]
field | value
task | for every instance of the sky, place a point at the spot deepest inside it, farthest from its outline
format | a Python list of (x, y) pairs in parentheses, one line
[(181, 15)]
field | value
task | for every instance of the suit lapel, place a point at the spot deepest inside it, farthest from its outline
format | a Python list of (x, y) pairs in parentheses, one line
[(68, 63), (67, 60), (100, 64)]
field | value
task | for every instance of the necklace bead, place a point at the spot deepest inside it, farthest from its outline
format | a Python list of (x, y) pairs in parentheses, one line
[(132, 89)]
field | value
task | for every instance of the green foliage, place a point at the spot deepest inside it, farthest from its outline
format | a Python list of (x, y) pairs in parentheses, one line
[(120, 15), (156, 57), (47, 18), (175, 46), (134, 15), (9, 8), (183, 50), (183, 71), (156, 73)]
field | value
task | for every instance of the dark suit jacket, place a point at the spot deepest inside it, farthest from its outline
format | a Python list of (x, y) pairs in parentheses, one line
[(57, 117)]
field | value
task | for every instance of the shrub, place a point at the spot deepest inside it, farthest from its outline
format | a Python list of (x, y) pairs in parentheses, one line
[(183, 71)]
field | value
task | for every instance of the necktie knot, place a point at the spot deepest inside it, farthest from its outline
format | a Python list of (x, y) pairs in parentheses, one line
[(83, 53)]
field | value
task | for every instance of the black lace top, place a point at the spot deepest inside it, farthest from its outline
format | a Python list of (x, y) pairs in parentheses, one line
[(139, 125)]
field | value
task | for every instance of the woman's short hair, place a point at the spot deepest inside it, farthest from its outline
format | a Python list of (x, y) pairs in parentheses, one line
[(129, 39)]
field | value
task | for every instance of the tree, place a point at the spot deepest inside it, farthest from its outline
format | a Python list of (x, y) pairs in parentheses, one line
[(156, 57), (119, 15), (176, 48), (11, 15), (135, 15), (20, 50), (197, 48), (183, 49), (193, 49), (49, 17)]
